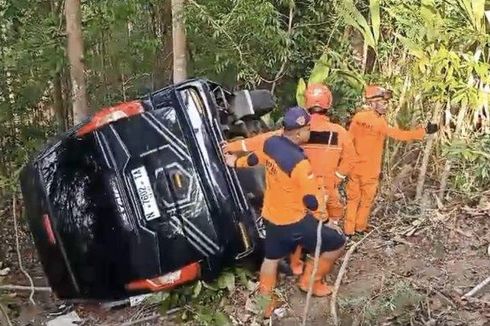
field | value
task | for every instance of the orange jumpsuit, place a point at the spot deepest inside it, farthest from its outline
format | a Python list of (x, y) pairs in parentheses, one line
[(329, 150), (332, 156), (368, 131)]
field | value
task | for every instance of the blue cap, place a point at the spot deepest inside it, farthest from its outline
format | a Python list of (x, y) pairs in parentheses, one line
[(295, 118)]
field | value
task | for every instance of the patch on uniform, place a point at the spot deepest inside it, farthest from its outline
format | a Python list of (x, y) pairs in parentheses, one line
[(284, 153), (324, 137), (301, 121), (310, 202), (252, 160)]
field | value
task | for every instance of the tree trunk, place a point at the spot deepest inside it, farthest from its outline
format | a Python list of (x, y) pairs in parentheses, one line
[(365, 49), (427, 152), (5, 137), (75, 56), (162, 75), (179, 41), (447, 167)]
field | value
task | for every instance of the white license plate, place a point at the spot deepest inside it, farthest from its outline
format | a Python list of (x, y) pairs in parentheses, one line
[(145, 192)]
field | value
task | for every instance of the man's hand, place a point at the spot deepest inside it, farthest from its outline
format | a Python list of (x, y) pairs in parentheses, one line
[(230, 159), (333, 224), (225, 147), (321, 215), (431, 128)]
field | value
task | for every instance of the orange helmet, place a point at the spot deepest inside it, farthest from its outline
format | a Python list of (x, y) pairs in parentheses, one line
[(375, 91), (318, 95)]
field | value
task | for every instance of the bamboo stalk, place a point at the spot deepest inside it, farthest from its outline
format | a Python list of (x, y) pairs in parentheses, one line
[(457, 132), (427, 153)]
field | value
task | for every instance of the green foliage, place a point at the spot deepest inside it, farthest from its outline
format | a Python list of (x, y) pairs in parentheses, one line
[(206, 316), (300, 92), (233, 46), (440, 46), (345, 82), (356, 19), (471, 159), (204, 301), (474, 11), (230, 44), (122, 46)]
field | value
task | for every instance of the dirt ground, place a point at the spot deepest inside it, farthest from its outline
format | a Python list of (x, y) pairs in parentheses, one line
[(411, 270)]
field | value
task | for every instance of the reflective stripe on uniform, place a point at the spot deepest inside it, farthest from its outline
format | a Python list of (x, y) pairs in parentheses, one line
[(244, 145), (341, 176)]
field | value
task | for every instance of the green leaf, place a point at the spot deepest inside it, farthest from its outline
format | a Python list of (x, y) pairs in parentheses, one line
[(320, 71), (197, 289), (226, 281), (174, 299), (478, 12), (427, 11), (243, 275), (209, 286), (353, 17), (375, 18), (220, 319), (158, 297), (262, 301), (300, 92), (412, 46), (353, 79), (474, 10)]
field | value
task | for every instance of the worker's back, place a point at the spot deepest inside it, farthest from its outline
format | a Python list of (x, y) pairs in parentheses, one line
[(329, 143), (368, 133), (288, 179), (329, 148)]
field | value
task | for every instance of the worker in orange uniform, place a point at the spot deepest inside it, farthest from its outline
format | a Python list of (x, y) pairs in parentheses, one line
[(368, 130), (291, 195), (329, 150)]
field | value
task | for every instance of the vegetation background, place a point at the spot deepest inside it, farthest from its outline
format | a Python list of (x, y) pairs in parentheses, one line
[(434, 55)]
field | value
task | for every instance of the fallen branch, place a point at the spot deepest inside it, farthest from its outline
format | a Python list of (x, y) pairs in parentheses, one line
[(477, 288), (4, 312), (315, 269), (10, 287), (317, 257), (17, 246), (343, 268)]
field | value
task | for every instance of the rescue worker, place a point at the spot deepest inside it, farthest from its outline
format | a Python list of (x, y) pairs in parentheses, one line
[(290, 197), (368, 130), (329, 150)]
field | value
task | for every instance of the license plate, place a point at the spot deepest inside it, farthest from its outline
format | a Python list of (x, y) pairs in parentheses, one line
[(145, 193)]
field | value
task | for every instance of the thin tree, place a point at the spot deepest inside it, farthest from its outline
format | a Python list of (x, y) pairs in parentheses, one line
[(75, 56), (179, 41)]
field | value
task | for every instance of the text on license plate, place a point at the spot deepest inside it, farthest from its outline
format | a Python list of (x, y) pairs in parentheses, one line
[(145, 193)]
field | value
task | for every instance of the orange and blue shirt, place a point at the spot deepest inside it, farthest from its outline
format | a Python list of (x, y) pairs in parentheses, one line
[(291, 189)]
